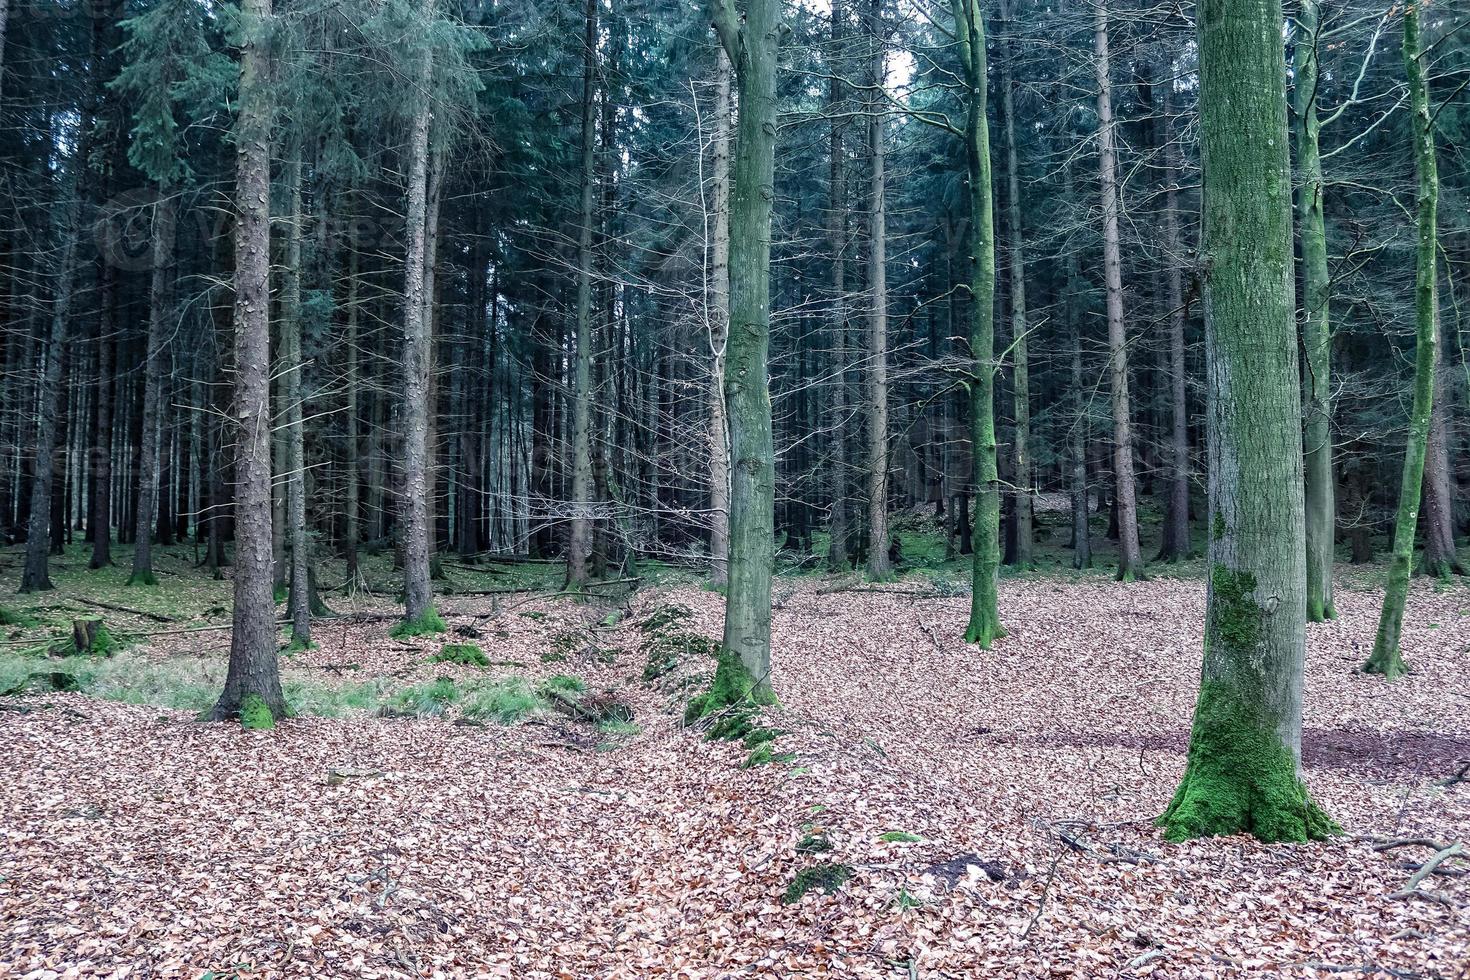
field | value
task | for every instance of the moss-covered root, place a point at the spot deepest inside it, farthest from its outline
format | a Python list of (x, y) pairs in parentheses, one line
[(428, 624), (1388, 661), (145, 579), (731, 700), (1240, 778), (984, 629)]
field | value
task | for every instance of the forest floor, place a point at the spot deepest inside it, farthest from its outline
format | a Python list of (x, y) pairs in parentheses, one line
[(991, 812)]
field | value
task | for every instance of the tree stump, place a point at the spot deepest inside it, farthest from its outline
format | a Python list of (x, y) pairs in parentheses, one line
[(85, 636)]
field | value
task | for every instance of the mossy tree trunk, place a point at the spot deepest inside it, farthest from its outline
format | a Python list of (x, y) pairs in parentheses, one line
[(1243, 770), (1386, 658), (1316, 323), (984, 627), (752, 44), (254, 672)]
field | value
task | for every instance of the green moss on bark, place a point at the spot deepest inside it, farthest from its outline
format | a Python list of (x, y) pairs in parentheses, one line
[(1235, 614), (255, 714), (1240, 778)]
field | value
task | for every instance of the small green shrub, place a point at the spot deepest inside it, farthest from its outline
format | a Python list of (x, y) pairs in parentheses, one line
[(255, 714), (463, 654), (826, 878), (429, 624)]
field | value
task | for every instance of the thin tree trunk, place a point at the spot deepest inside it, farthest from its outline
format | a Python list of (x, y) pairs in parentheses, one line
[(352, 523), (1176, 543), (752, 45), (1316, 322), (36, 575), (1020, 355), (1244, 767), (1387, 659), (1440, 558), (1130, 560), (878, 564), (253, 680), (299, 604), (984, 626), (837, 528), (579, 547), (100, 521), (719, 330), (158, 326)]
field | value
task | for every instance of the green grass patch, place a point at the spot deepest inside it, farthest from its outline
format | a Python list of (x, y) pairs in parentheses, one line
[(427, 700), (825, 878), (505, 701), (900, 837), (564, 684), (463, 654)]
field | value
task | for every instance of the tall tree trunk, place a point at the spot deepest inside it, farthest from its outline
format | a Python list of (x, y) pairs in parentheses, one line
[(878, 564), (36, 575), (298, 545), (253, 680), (1176, 543), (1316, 321), (579, 547), (719, 330), (352, 464), (1020, 356), (1387, 659), (752, 45), (984, 627), (414, 504), (1244, 768), (158, 327), (1130, 560), (837, 527), (99, 523)]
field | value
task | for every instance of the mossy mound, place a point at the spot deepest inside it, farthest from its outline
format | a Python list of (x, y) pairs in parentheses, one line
[(463, 654), (815, 842), (14, 617), (665, 651), (665, 617), (825, 878), (900, 837), (428, 624)]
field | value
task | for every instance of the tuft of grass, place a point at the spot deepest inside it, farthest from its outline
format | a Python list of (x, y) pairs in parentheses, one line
[(619, 727), (564, 684), (14, 617), (324, 701), (900, 837), (826, 878), (429, 624), (464, 654), (427, 700), (505, 701)]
